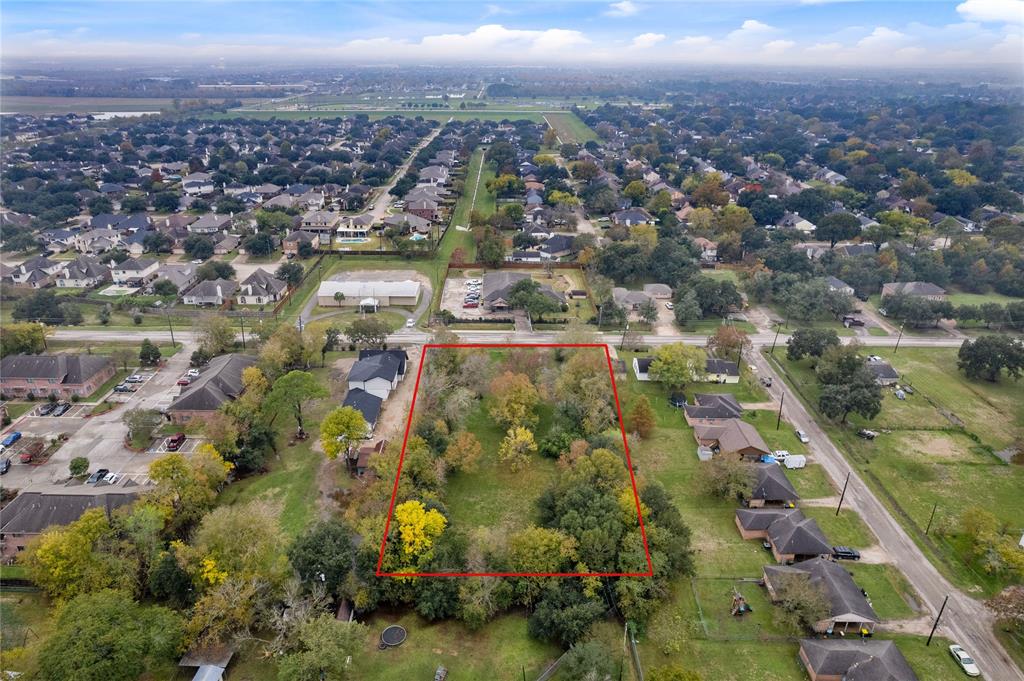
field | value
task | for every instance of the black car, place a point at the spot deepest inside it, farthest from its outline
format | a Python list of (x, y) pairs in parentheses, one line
[(97, 476), (5, 466), (47, 408), (61, 409), (845, 553), (677, 400)]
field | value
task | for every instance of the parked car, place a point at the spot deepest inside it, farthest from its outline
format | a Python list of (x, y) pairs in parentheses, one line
[(61, 409), (852, 321), (802, 436), (175, 442), (135, 378), (111, 478), (97, 476), (47, 408), (781, 454), (766, 381), (409, 323), (669, 306), (184, 380), (845, 553), (874, 358), (5, 466), (867, 434), (192, 373), (470, 304), (10, 439), (124, 388), (965, 661)]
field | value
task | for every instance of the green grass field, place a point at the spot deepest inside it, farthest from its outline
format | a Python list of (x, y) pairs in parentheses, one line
[(570, 128), (477, 174), (923, 456), (958, 297)]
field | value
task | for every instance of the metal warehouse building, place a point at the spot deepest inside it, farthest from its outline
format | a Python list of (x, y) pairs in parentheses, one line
[(369, 295)]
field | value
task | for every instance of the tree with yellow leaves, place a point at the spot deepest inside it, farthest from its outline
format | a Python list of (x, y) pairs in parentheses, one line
[(515, 400), (187, 488), (341, 428), (517, 448), (418, 527)]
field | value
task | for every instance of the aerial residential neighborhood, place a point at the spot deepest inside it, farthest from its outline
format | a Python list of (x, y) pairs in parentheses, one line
[(592, 342)]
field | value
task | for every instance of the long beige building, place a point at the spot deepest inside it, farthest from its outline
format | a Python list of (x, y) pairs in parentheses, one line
[(368, 294)]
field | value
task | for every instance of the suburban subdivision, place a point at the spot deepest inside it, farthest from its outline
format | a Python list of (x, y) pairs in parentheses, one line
[(445, 370)]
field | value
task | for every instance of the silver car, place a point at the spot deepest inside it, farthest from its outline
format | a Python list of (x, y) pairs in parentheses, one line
[(965, 661)]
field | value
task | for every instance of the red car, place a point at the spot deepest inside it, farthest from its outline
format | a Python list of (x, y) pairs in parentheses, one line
[(471, 305), (184, 381), (175, 442)]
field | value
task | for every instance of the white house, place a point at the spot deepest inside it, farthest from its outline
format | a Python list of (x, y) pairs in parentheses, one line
[(134, 272), (377, 372)]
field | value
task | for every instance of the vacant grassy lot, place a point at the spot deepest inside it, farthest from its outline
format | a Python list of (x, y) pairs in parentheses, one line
[(570, 128), (892, 597), (935, 450), (475, 196), (846, 529), (963, 298)]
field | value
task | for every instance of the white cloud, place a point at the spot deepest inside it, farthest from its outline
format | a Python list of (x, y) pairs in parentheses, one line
[(625, 8), (825, 48), (495, 10), (993, 11), (751, 25), (695, 41), (881, 37), (646, 40), (779, 46)]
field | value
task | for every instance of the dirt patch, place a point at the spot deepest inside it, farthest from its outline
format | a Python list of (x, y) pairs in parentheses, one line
[(874, 554), (933, 446)]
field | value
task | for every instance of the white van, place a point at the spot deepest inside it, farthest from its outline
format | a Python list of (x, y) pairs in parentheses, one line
[(795, 461)]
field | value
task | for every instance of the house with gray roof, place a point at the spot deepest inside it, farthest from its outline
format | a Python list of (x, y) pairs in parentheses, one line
[(365, 403), (793, 536), (182, 275), (210, 292), (61, 375), (712, 407), (219, 382), (260, 288), (854, 660), (497, 289), (771, 487), (83, 272), (849, 609), (134, 271), (377, 374), (919, 289), (32, 512)]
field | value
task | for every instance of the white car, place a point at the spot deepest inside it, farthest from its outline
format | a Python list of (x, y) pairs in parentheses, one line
[(874, 358), (669, 306), (192, 373), (781, 455), (111, 478), (802, 436), (409, 323), (965, 661)]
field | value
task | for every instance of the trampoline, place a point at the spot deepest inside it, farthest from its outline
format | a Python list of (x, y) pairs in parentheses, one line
[(391, 637)]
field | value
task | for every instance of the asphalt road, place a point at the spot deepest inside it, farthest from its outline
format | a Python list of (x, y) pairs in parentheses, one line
[(965, 620)]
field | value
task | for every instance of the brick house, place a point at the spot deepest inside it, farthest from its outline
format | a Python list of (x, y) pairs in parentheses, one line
[(62, 375)]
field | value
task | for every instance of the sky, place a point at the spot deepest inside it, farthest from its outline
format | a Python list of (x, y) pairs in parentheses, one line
[(848, 33)]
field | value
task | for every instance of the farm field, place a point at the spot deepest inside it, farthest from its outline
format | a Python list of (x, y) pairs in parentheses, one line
[(570, 128), (937, 449)]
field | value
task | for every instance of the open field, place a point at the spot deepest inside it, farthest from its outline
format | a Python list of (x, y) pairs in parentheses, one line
[(570, 128), (936, 450), (477, 173), (963, 298), (442, 115)]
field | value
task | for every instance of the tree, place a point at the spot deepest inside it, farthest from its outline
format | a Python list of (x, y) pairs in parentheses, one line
[(259, 244), (463, 452), (215, 269), (564, 614), (323, 651), (811, 342), (39, 306), (677, 364), (187, 488), (859, 394), (149, 354), (63, 563), (636, 191), (222, 430), (728, 342), (198, 247), (22, 337), (291, 273), (641, 418), (142, 423), (323, 555), (165, 287), (106, 636), (988, 356), (727, 477), (515, 400), (649, 311), (517, 448), (215, 333), (78, 466), (836, 227), (341, 428), (588, 661), (370, 332), (491, 250), (801, 602), (687, 309), (418, 527), (72, 314), (133, 203), (165, 202), (290, 392)]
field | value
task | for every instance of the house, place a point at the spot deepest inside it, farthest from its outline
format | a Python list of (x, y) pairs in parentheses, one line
[(794, 221), (210, 292), (219, 382), (65, 376), (36, 272), (260, 288), (358, 460), (853, 250), (134, 272), (708, 250), (319, 221), (377, 374), (497, 289), (849, 609), (884, 372), (839, 285), (731, 436), (708, 408), (407, 222), (294, 240), (658, 291), (355, 226), (919, 289), (423, 208), (524, 256), (721, 371), (210, 223), (792, 536), (226, 245), (630, 300), (97, 240), (368, 295), (632, 216), (30, 513), (82, 272), (771, 487), (558, 246), (366, 404), (181, 275), (198, 184), (434, 175), (853, 660)]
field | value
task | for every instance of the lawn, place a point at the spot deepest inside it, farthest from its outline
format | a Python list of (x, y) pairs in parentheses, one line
[(342, 317), (846, 529), (709, 326), (118, 376), (475, 196), (811, 482), (892, 596), (16, 409), (957, 297), (570, 128), (924, 459)]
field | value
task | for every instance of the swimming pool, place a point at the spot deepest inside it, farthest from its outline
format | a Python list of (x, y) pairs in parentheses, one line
[(354, 240), (418, 237)]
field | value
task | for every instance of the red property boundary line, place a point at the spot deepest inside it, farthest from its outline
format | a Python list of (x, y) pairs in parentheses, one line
[(625, 445)]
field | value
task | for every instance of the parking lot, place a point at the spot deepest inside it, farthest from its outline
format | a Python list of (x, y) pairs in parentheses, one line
[(74, 411), (453, 298), (190, 445)]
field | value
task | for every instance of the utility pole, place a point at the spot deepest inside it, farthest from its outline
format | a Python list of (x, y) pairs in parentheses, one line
[(622, 343), (937, 618), (898, 339), (778, 328), (843, 495), (930, 518), (778, 420), (241, 322), (167, 313)]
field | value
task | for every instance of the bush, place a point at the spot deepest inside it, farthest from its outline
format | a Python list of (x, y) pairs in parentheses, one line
[(76, 398), (137, 319), (78, 466)]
